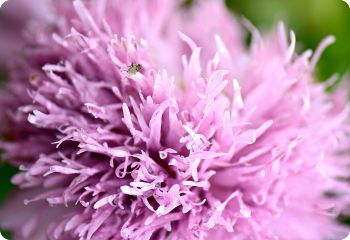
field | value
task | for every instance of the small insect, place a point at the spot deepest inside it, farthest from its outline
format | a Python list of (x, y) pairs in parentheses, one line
[(134, 68)]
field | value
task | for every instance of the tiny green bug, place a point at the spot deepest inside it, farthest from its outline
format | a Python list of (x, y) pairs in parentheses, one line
[(134, 68)]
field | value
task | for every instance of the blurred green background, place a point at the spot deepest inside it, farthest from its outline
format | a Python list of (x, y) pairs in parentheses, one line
[(312, 20)]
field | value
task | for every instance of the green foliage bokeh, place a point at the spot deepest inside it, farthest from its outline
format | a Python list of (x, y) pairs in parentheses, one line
[(312, 20)]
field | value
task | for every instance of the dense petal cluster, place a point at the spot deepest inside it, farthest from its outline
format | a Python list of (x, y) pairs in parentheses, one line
[(148, 120)]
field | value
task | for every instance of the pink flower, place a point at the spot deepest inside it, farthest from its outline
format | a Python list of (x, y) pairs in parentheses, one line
[(135, 120)]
